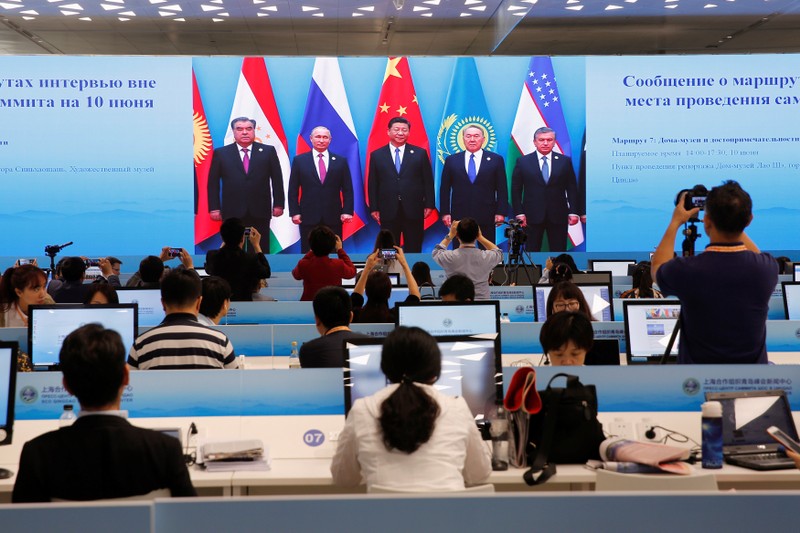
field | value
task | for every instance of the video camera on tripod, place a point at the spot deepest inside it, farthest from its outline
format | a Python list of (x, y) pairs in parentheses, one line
[(515, 235), (694, 198)]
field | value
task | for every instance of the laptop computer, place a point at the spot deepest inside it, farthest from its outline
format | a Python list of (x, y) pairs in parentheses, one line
[(745, 419)]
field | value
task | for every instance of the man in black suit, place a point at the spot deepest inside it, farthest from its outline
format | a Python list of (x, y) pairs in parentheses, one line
[(474, 185), (401, 193), (250, 175), (333, 312), (101, 455), (317, 180), (544, 193)]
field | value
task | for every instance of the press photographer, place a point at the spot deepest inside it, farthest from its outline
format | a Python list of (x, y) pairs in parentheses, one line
[(725, 290)]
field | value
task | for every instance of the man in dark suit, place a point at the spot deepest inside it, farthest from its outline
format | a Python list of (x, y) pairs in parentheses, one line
[(544, 193), (474, 185), (101, 455), (333, 312), (401, 193), (250, 175), (320, 188)]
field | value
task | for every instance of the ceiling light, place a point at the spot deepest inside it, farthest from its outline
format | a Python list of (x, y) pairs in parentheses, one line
[(123, 19), (180, 19), (87, 19), (257, 2), (398, 4), (673, 6), (574, 8), (465, 15), (72, 6), (157, 1), (217, 20), (116, 1), (109, 7), (432, 2), (28, 18), (426, 14), (166, 13), (29, 12), (367, 8), (69, 13), (173, 7), (215, 1), (209, 8), (262, 14), (515, 8), (478, 8), (128, 13), (612, 7), (358, 14), (270, 8), (472, 2), (709, 6), (421, 8), (317, 14), (309, 8)]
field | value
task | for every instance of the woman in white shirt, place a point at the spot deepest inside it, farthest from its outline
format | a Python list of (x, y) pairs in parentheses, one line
[(408, 436), (20, 287)]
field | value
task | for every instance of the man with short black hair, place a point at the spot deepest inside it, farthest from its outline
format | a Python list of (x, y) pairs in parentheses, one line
[(101, 455), (400, 184), (180, 341), (72, 289), (467, 259), (457, 288), (216, 300), (725, 290), (242, 269), (333, 312)]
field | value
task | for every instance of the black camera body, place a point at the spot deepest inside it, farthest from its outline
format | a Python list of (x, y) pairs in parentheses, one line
[(514, 230), (695, 197)]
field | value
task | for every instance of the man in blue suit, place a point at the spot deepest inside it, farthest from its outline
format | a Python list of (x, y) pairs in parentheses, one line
[(251, 179), (401, 193), (544, 193), (320, 188), (474, 185)]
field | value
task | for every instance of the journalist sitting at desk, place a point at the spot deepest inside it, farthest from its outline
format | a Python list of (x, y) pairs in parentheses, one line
[(101, 455), (409, 436)]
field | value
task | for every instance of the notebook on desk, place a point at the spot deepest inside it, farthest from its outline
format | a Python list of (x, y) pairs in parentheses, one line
[(745, 419)]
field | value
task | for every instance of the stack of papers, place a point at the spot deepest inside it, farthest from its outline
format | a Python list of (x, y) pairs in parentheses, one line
[(234, 455)]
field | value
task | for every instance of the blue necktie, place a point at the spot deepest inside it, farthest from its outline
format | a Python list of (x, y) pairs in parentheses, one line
[(545, 169), (471, 168), (397, 159)]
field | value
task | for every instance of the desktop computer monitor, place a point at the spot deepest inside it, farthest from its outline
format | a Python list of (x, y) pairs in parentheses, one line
[(48, 325), (617, 267), (470, 365), (648, 328), (598, 296), (8, 392), (150, 310), (451, 318), (791, 299)]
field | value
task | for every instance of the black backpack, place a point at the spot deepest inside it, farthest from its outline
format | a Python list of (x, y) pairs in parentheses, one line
[(565, 431)]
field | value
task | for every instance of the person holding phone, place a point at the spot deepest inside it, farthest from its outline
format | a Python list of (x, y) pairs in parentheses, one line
[(316, 269), (377, 287), (467, 259)]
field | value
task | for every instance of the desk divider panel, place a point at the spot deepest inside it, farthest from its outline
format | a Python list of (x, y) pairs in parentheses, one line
[(513, 512), (669, 388), (269, 313), (78, 517)]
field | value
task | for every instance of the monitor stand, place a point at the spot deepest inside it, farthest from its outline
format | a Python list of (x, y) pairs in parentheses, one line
[(5, 473)]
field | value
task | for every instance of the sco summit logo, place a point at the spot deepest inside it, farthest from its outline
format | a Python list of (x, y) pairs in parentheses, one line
[(450, 141), (691, 386), (28, 394), (447, 323)]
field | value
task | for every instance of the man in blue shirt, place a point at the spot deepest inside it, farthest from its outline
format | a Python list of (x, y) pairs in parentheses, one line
[(725, 290)]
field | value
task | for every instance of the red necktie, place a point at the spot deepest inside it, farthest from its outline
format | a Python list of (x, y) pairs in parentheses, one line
[(321, 166), (246, 160)]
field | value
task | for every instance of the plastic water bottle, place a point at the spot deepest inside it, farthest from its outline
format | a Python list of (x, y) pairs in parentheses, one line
[(67, 416), (504, 318), (712, 434), (499, 432), (294, 356)]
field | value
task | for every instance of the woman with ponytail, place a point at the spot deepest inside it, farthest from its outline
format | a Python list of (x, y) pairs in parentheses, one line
[(409, 436)]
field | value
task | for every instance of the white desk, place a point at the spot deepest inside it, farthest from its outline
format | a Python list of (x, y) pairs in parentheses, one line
[(312, 476)]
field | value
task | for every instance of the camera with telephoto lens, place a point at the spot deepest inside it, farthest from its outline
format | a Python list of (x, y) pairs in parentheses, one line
[(695, 197), (514, 230)]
